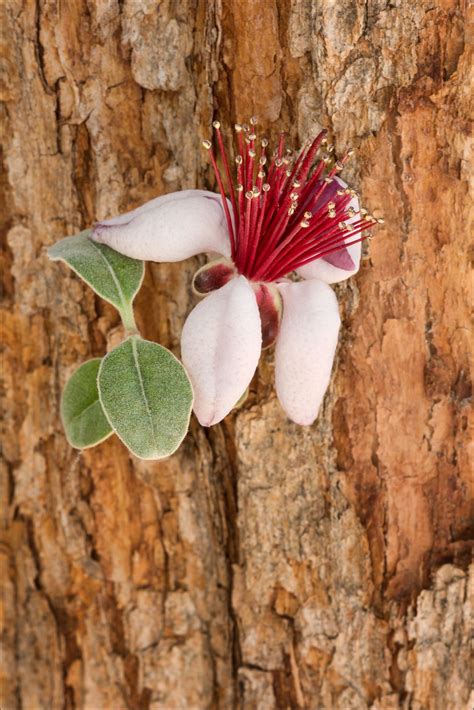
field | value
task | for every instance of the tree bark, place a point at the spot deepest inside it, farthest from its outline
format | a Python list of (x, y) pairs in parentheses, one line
[(264, 565)]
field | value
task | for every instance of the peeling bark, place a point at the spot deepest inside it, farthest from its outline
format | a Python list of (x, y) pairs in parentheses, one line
[(264, 565)]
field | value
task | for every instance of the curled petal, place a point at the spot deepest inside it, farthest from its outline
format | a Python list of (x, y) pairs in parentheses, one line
[(213, 276), (341, 264), (169, 228), (220, 348), (270, 308), (240, 402), (305, 347)]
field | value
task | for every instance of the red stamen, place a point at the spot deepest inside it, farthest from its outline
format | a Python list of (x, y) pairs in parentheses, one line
[(291, 218), (217, 127), (258, 229), (230, 227)]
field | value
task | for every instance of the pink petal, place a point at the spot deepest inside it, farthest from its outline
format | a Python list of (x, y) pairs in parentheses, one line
[(220, 347), (342, 263), (305, 347), (169, 228), (342, 259)]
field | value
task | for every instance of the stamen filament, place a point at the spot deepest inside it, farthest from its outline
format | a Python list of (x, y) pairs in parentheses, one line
[(230, 226), (217, 127), (290, 216)]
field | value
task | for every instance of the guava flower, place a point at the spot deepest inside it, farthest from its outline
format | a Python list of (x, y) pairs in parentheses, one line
[(290, 228)]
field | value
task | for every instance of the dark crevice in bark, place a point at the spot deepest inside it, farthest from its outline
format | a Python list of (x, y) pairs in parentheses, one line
[(225, 464), (396, 145), (65, 623)]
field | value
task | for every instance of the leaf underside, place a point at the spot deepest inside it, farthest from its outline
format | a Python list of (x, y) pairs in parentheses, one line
[(82, 415), (111, 275), (147, 397)]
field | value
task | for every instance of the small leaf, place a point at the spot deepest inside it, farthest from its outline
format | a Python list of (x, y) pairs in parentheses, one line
[(147, 397), (113, 276), (82, 415)]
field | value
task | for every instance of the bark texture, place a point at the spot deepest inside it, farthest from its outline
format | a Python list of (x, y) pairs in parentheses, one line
[(265, 565)]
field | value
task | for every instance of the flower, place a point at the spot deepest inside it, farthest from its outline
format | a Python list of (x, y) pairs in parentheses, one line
[(297, 217)]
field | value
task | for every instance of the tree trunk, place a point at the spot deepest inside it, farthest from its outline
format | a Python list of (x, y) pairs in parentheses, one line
[(264, 565)]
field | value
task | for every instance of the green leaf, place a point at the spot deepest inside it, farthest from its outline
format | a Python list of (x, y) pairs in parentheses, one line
[(82, 415), (147, 397), (113, 276)]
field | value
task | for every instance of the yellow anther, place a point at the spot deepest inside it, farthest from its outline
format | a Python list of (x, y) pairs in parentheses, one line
[(263, 160), (216, 124), (249, 195), (238, 128), (304, 224), (240, 188), (266, 187), (253, 120), (239, 160), (264, 142), (252, 153), (207, 144), (308, 215)]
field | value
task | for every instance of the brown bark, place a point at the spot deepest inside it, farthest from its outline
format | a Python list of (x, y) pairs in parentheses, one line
[(264, 565)]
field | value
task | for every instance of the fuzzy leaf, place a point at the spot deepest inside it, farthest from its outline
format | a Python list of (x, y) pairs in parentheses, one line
[(113, 276), (82, 415), (147, 397)]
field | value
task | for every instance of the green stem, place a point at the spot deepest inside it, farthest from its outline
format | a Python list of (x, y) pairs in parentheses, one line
[(128, 320)]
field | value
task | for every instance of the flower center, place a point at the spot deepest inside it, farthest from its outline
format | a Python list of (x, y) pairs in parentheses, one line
[(288, 210)]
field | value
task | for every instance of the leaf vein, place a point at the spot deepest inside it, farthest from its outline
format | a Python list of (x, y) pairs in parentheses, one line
[(76, 416), (142, 387), (112, 273)]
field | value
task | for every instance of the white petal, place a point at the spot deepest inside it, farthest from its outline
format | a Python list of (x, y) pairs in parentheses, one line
[(220, 348), (321, 269), (169, 228), (305, 347), (161, 200)]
